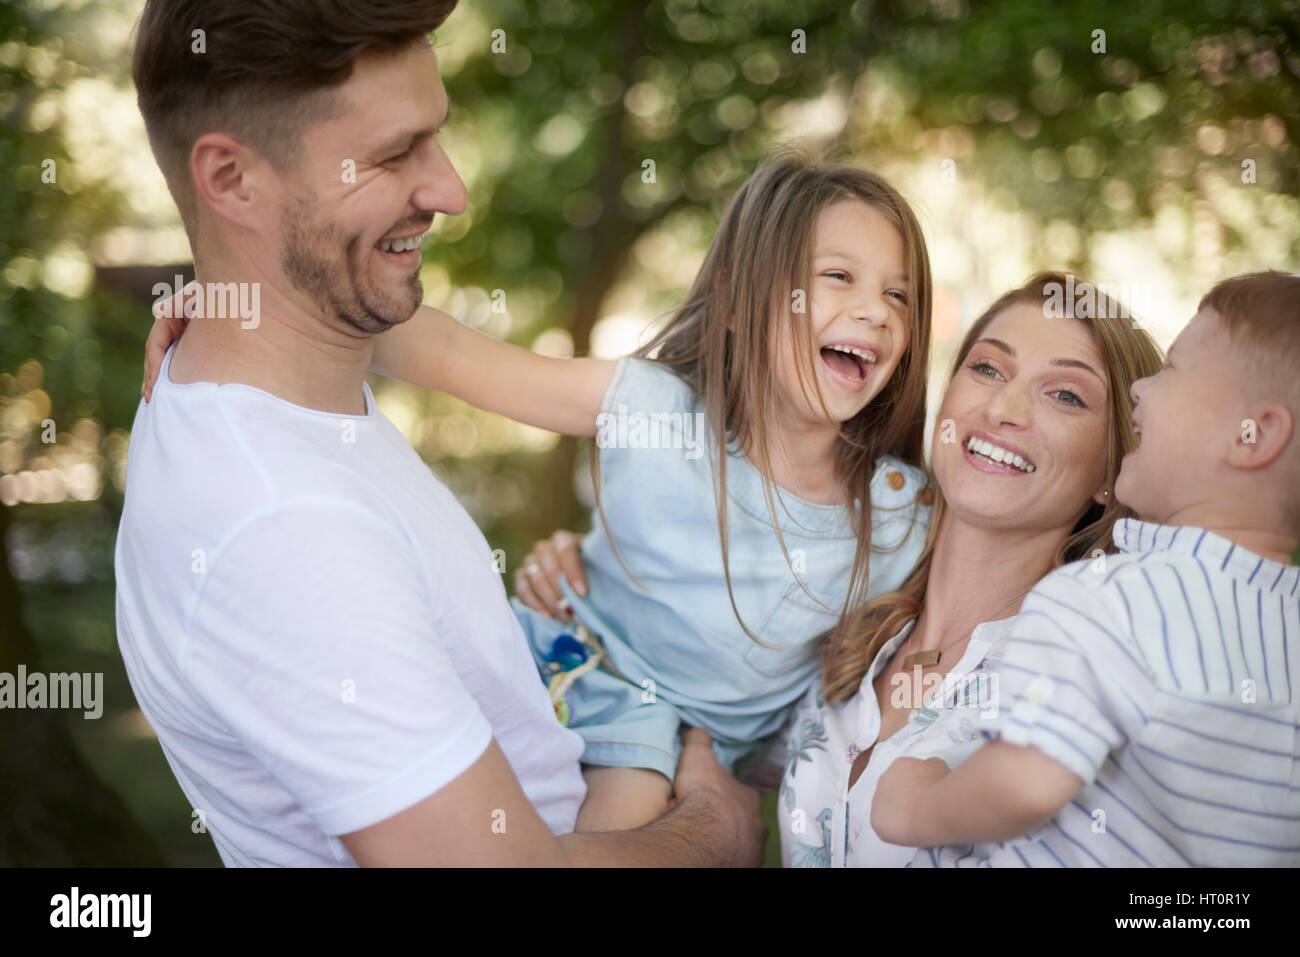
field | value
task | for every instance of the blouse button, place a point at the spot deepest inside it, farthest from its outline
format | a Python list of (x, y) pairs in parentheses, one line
[(895, 480), (926, 496)]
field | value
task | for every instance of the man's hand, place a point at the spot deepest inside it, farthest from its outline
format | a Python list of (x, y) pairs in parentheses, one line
[(898, 798), (698, 770), (168, 325)]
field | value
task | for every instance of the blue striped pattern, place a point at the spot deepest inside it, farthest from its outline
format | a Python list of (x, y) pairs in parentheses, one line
[(1164, 676)]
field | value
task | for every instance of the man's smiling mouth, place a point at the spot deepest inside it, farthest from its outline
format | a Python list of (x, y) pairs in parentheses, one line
[(402, 251)]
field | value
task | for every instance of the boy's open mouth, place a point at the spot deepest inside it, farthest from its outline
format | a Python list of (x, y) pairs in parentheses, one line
[(852, 362)]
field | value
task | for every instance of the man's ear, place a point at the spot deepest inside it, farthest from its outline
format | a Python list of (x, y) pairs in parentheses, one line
[(1264, 436), (226, 176)]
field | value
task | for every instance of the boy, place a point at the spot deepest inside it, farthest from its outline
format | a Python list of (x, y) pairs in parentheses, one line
[(1151, 699)]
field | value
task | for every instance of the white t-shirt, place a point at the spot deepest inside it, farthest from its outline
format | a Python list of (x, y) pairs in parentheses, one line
[(314, 626)]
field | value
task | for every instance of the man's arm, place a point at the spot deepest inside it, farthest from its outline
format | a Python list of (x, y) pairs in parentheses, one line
[(1001, 791), (483, 818)]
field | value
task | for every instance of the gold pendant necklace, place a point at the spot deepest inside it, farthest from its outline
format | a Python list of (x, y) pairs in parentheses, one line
[(922, 659)]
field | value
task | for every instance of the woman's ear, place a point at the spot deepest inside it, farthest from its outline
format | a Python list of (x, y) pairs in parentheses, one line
[(1103, 497)]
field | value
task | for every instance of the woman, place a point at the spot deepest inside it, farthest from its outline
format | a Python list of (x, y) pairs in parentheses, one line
[(1028, 441)]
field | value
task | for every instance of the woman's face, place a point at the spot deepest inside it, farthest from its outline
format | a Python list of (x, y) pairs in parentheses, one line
[(1032, 387)]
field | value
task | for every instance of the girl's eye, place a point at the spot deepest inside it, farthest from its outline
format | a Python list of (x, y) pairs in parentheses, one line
[(900, 296), (1074, 396), (837, 274)]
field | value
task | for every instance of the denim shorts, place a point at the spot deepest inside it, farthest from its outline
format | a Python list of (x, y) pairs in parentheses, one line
[(624, 724)]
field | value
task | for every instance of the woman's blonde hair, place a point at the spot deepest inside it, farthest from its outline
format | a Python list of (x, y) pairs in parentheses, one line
[(723, 342), (1128, 352)]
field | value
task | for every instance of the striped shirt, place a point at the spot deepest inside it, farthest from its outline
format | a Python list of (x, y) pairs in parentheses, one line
[(1166, 677)]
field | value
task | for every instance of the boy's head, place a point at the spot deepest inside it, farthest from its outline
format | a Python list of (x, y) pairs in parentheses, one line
[(297, 138), (1218, 422)]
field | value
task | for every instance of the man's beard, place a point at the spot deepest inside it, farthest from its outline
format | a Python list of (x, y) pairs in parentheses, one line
[(322, 262)]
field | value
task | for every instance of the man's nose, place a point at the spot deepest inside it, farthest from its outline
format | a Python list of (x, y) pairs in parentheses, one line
[(441, 189)]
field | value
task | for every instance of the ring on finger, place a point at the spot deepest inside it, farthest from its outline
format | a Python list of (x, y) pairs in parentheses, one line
[(531, 569)]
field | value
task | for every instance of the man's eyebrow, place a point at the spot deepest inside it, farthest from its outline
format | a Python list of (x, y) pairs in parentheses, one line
[(1068, 363), (408, 138)]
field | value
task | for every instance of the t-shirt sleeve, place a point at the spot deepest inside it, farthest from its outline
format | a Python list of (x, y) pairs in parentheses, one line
[(1052, 696), (315, 646), (647, 387)]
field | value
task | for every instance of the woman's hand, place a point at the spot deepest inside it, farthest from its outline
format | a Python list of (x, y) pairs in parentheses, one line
[(896, 805), (537, 580), (168, 325)]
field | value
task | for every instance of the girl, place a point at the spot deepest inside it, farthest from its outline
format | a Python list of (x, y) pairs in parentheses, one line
[(782, 408)]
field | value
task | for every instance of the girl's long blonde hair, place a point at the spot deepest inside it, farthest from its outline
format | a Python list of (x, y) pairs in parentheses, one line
[(723, 339), (1129, 353)]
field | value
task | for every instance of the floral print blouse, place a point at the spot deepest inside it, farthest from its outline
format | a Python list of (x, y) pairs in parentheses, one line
[(825, 824)]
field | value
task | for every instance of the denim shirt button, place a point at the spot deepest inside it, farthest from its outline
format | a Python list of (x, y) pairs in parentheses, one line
[(895, 480)]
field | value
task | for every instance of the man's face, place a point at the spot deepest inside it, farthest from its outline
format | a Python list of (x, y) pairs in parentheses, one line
[(371, 176)]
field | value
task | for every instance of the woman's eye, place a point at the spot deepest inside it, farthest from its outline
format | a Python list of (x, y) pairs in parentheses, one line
[(980, 368), (1073, 396)]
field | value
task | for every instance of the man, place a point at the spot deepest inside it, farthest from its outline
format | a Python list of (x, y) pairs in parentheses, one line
[(309, 620)]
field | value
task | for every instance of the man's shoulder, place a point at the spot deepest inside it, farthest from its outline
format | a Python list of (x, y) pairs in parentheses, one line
[(202, 463)]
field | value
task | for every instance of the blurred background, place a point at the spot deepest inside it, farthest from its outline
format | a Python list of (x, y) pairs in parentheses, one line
[(1151, 145)]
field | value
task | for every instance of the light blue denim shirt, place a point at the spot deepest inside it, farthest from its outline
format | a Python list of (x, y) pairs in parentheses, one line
[(675, 624)]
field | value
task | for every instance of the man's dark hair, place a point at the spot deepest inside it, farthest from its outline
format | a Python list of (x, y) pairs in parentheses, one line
[(260, 70)]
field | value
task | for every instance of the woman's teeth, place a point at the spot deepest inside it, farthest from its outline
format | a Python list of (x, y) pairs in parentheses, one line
[(1000, 456), (401, 245)]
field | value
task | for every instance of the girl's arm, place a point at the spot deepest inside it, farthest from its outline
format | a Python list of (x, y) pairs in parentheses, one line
[(434, 350), (1000, 792)]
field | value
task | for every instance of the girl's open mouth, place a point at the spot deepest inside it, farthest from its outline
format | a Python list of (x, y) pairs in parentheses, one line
[(849, 363)]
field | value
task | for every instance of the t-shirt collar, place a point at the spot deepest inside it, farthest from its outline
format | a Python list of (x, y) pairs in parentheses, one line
[(1136, 537)]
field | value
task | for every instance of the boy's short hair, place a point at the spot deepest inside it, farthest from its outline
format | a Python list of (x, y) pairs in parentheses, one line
[(1261, 314), (259, 70)]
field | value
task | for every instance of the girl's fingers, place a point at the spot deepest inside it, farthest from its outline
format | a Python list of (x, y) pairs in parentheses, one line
[(570, 559), (524, 592), (545, 580)]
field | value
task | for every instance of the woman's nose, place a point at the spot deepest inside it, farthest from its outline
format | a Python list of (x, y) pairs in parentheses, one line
[(1009, 404)]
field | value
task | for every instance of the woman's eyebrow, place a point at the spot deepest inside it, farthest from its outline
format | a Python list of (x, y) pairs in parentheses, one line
[(999, 344), (1076, 364), (1069, 363)]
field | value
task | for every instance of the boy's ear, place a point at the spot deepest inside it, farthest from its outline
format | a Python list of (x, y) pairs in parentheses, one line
[(1263, 437)]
